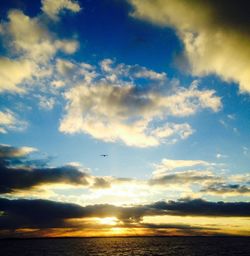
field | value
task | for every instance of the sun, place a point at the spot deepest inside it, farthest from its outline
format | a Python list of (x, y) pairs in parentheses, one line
[(108, 221)]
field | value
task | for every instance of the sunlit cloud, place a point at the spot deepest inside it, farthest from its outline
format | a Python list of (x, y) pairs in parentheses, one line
[(53, 7), (184, 177), (7, 151), (14, 72), (215, 40), (9, 121), (44, 214), (46, 102), (30, 48), (171, 164), (114, 103)]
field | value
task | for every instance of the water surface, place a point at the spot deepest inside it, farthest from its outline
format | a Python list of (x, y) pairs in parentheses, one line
[(157, 246)]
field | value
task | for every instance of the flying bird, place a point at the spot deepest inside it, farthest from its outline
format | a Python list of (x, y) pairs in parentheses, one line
[(104, 155)]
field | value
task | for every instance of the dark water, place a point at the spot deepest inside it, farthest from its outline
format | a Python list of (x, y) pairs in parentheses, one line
[(172, 246)]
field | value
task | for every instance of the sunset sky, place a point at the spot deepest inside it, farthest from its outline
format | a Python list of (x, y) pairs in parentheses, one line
[(162, 87)]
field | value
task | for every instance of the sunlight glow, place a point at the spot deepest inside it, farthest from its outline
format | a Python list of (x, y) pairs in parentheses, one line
[(108, 221)]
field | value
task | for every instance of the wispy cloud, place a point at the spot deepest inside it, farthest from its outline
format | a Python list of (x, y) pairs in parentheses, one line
[(9, 121)]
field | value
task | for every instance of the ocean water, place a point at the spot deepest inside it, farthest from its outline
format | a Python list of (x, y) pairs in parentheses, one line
[(167, 246)]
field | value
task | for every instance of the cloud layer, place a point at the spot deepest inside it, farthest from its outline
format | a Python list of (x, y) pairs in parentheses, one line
[(23, 213)]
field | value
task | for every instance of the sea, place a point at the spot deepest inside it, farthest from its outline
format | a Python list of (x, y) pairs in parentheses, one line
[(167, 246)]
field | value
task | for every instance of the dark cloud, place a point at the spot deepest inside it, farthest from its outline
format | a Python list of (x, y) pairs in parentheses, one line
[(174, 226), (233, 15), (23, 213), (18, 172), (199, 207), (8, 152), (100, 182), (221, 188), (12, 179)]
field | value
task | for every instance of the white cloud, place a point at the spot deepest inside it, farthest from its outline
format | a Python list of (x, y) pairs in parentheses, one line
[(220, 156), (58, 83), (245, 150), (184, 130), (67, 46), (171, 164), (53, 7), (31, 48), (10, 121), (72, 72), (14, 72), (65, 67), (33, 39), (213, 42), (168, 165), (118, 111), (113, 72), (46, 102)]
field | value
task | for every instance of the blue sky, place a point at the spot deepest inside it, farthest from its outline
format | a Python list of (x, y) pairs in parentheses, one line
[(161, 95)]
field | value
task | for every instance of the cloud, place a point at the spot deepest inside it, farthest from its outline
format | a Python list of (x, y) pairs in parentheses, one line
[(46, 102), (102, 183), (58, 83), (115, 108), (227, 189), (65, 67), (185, 177), (163, 229), (10, 121), (215, 34), (30, 49), (17, 172), (7, 151), (200, 207), (13, 73), (20, 172), (171, 164), (33, 39), (16, 179), (220, 156), (132, 71), (53, 7), (23, 213), (189, 173)]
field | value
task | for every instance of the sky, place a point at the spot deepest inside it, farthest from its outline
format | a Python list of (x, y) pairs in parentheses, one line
[(160, 87)]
